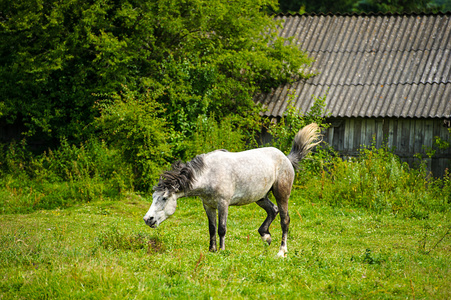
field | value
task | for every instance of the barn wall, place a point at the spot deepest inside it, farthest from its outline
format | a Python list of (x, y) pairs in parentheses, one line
[(406, 136)]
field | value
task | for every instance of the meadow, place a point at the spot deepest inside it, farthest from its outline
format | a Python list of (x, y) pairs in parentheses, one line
[(103, 250), (368, 228)]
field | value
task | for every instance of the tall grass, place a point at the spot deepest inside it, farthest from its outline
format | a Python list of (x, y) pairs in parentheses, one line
[(376, 180), (99, 169), (60, 178)]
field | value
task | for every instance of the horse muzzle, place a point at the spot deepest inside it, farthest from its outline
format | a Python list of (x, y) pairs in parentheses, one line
[(150, 221)]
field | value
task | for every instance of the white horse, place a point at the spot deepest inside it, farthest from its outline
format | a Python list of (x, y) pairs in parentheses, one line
[(222, 178)]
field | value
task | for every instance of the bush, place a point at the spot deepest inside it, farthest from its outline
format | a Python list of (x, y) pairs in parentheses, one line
[(62, 177), (293, 120), (212, 135), (207, 57), (376, 180), (131, 122)]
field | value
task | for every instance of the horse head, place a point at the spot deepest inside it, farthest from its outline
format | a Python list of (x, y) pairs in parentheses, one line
[(163, 206)]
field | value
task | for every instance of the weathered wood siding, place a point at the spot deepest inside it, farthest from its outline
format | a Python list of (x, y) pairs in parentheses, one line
[(405, 136)]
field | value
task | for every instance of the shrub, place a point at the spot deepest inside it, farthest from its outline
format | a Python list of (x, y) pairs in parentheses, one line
[(61, 177), (212, 135), (376, 180), (293, 120), (131, 122)]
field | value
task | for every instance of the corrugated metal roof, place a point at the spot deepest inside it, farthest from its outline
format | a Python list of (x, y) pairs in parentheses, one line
[(371, 65)]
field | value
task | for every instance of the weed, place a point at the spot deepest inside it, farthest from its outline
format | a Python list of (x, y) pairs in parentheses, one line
[(60, 178), (119, 238), (370, 258), (377, 180), (424, 240), (211, 135)]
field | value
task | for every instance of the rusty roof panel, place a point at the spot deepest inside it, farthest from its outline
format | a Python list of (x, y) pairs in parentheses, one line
[(371, 65)]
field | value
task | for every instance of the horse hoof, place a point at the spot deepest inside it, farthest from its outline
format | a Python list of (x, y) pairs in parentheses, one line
[(282, 252), (267, 238)]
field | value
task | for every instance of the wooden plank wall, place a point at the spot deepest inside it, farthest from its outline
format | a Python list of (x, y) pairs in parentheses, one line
[(405, 136)]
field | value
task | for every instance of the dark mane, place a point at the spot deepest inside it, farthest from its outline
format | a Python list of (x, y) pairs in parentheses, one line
[(181, 176)]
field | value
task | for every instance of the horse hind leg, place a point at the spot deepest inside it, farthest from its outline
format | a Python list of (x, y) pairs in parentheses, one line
[(285, 224), (282, 192), (271, 211)]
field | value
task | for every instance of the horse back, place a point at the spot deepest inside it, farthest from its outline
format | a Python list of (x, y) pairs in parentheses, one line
[(245, 177)]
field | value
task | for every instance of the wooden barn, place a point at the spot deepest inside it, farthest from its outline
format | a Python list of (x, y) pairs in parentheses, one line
[(387, 80)]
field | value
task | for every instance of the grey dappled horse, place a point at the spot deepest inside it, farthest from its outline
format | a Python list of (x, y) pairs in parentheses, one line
[(222, 178)]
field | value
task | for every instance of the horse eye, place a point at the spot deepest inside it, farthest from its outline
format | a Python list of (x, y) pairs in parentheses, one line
[(164, 199)]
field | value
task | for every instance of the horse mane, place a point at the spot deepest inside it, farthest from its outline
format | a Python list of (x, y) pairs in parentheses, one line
[(181, 176)]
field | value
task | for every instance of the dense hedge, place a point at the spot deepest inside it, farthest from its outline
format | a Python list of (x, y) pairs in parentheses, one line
[(60, 59)]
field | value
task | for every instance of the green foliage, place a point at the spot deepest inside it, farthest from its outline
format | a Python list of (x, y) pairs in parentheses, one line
[(195, 57), (131, 149), (364, 6), (15, 159), (60, 178), (377, 180), (316, 6), (147, 79), (283, 132), (131, 122), (46, 80), (442, 144), (398, 6), (212, 135)]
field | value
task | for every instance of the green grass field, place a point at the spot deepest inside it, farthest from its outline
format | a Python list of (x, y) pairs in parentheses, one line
[(103, 250)]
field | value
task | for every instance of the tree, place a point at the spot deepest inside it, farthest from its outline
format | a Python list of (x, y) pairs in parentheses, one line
[(317, 6), (397, 6), (203, 57), (363, 6)]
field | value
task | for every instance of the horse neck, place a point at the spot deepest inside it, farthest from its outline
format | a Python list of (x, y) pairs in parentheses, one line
[(195, 191), (200, 181), (181, 194), (198, 187)]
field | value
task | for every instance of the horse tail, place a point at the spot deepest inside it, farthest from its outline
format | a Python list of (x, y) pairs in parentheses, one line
[(307, 138)]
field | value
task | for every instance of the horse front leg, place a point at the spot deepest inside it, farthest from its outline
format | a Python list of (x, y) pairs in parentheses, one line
[(223, 210), (211, 214)]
